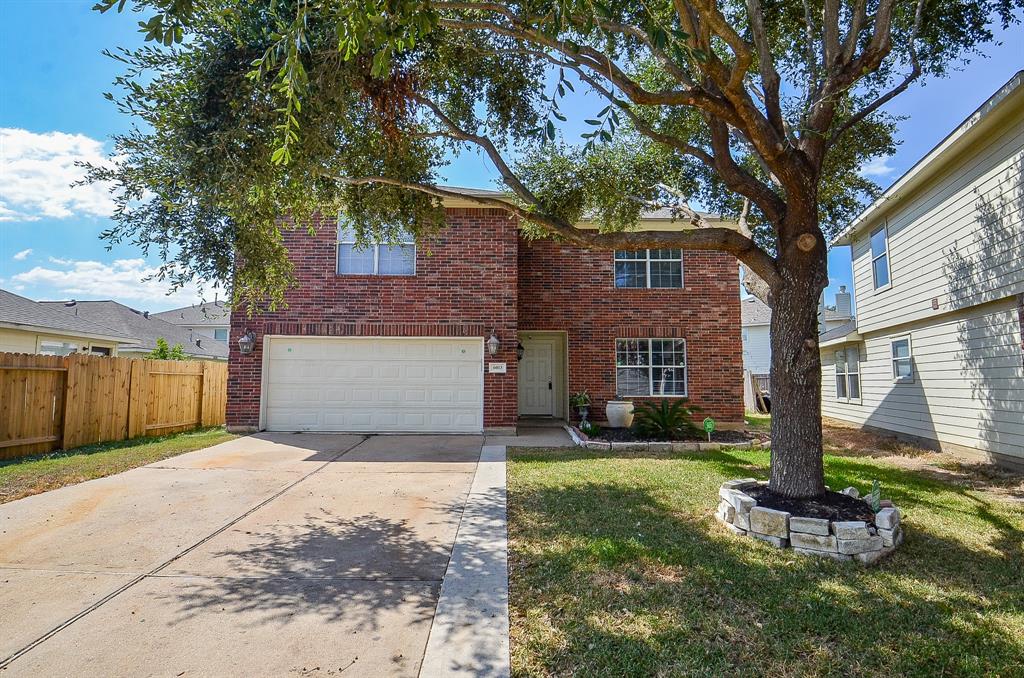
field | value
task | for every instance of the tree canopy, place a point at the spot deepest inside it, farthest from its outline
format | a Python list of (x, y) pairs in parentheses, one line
[(248, 111)]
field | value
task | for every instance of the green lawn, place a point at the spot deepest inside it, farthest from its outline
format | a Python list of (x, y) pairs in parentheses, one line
[(39, 473), (618, 568)]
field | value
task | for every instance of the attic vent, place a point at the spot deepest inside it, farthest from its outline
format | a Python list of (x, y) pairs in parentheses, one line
[(199, 343)]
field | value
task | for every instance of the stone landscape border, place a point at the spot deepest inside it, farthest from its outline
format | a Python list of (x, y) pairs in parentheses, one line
[(865, 542), (581, 440)]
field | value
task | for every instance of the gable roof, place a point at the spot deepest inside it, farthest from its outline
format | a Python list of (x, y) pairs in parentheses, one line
[(22, 313), (753, 311), (210, 313), (981, 121), (143, 330)]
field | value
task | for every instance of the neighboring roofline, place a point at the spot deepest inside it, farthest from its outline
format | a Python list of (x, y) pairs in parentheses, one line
[(845, 339), (43, 329), (743, 324), (980, 120)]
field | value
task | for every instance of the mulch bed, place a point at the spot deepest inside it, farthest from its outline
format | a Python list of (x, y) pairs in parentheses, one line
[(628, 435), (831, 505)]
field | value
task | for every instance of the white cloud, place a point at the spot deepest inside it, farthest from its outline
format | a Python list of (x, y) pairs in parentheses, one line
[(879, 167), (22, 255), (36, 173), (121, 280)]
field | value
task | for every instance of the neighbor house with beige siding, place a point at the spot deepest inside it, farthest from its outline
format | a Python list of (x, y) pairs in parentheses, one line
[(937, 350)]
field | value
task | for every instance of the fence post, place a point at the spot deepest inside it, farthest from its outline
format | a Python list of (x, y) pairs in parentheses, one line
[(202, 394), (137, 397)]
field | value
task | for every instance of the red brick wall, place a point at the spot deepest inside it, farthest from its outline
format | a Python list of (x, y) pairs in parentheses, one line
[(465, 285), (562, 287)]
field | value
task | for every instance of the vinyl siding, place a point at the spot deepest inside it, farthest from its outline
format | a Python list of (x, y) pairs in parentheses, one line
[(959, 240), (757, 349), (968, 387), (22, 341)]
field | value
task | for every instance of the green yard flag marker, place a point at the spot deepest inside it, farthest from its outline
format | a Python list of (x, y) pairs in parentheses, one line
[(709, 426)]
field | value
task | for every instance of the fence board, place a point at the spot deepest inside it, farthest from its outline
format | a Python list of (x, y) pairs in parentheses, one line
[(54, 402)]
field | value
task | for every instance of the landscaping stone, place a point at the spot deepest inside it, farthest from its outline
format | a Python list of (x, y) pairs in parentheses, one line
[(809, 525), (850, 529), (891, 537), (823, 554), (864, 541), (777, 542), (598, 445), (851, 492), (659, 447), (740, 446), (628, 446), (685, 447), (769, 522), (814, 542), (743, 503), (853, 546), (887, 519), (710, 447)]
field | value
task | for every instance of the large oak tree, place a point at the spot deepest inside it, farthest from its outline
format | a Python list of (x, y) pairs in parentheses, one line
[(249, 110)]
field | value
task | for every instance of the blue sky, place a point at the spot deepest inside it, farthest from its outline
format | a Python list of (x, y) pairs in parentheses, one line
[(52, 76)]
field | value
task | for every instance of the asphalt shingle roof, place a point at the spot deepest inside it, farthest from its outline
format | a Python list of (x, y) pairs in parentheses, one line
[(144, 330), (17, 310), (753, 311), (210, 313)]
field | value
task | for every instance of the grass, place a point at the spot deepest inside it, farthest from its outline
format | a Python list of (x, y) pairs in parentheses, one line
[(39, 473), (619, 569)]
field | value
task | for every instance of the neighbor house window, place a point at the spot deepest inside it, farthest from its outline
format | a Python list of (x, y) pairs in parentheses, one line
[(100, 350), (375, 259), (848, 374), (650, 367), (902, 363), (220, 334), (880, 257), (649, 268), (57, 348)]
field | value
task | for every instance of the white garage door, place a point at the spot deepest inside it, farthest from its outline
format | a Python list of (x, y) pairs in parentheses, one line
[(392, 385)]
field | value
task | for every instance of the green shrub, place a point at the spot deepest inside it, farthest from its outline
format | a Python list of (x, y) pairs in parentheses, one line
[(590, 428), (665, 419)]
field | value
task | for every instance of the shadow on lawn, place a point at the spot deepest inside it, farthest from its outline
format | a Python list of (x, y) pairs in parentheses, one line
[(635, 585)]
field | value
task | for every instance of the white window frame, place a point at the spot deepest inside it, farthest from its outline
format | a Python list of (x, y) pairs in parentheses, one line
[(650, 367), (647, 276), (227, 333), (376, 255), (910, 357), (79, 347), (846, 375), (884, 228)]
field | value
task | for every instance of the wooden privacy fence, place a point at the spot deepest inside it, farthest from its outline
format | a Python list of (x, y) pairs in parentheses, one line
[(60, 402)]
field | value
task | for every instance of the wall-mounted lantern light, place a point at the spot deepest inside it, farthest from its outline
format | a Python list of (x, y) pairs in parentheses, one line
[(493, 344), (520, 350), (247, 342)]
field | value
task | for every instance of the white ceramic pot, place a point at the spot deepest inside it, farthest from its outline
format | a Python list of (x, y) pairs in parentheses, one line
[(619, 413)]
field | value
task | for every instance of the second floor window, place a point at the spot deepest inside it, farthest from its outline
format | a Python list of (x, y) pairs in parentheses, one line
[(375, 259), (649, 268), (880, 258)]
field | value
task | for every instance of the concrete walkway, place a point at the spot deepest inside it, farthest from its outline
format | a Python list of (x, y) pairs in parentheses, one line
[(275, 554)]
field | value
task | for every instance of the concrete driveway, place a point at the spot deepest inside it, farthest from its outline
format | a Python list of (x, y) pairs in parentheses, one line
[(275, 554)]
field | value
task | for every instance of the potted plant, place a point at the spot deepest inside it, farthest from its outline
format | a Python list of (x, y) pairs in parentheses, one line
[(581, 401), (619, 412)]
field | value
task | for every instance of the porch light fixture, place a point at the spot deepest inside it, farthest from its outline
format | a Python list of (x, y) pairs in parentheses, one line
[(493, 344), (247, 342), (520, 350)]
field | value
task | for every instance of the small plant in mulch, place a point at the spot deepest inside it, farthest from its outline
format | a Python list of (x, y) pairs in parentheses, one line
[(665, 420)]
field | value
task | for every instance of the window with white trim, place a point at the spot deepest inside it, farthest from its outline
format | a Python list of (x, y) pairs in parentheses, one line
[(649, 268), (848, 374), (47, 347), (220, 334), (880, 257), (902, 360), (650, 367), (377, 258)]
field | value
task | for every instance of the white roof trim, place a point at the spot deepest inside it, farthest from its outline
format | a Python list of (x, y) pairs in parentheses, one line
[(934, 160), (848, 339)]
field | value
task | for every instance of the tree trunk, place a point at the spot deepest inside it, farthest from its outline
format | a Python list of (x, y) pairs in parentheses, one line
[(796, 464)]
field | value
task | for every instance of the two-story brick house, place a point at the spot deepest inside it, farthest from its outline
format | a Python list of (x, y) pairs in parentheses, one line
[(937, 350), (395, 338)]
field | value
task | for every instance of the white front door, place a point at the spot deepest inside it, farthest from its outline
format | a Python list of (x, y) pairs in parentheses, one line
[(421, 385), (536, 377)]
